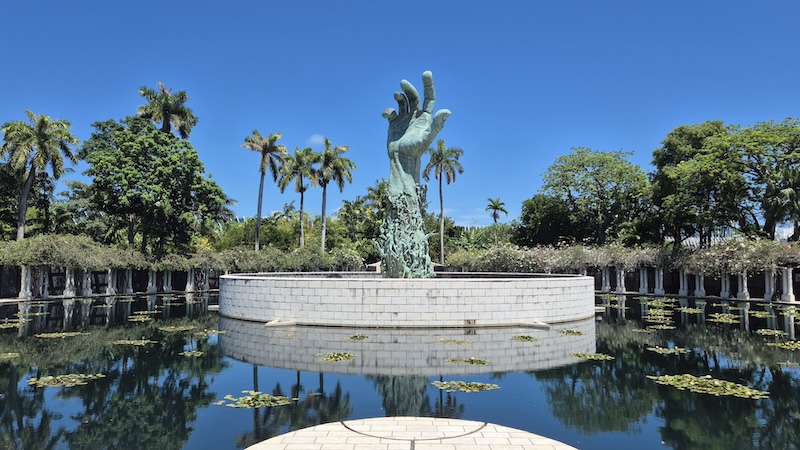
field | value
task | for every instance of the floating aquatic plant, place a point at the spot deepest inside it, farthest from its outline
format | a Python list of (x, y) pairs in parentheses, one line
[(688, 310), (661, 327), (191, 353), (723, 318), (61, 335), (524, 338), (593, 356), (357, 337), (102, 306), (6, 324), (571, 332), (9, 355), (254, 399), (708, 385), (768, 332), (146, 313), (643, 330), (454, 341), (788, 345), (69, 380), (338, 357), (790, 311), (207, 333), (464, 386), (139, 318), (661, 303), (473, 361), (135, 342), (177, 328), (760, 314), (667, 351)]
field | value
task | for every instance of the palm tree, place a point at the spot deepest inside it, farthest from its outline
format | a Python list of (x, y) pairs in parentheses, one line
[(444, 163), (299, 168), (167, 109), (332, 167), (32, 147), (496, 207), (272, 156)]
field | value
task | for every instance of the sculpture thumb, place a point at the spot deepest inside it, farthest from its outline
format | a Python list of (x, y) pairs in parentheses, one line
[(439, 118)]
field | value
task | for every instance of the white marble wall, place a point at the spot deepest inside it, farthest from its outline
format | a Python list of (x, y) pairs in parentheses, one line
[(384, 302)]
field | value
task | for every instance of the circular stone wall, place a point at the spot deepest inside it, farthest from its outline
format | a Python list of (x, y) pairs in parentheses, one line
[(365, 299)]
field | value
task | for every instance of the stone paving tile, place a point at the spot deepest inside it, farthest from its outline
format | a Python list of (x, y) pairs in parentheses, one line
[(397, 433)]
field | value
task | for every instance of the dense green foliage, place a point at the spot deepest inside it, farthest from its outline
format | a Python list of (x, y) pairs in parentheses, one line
[(150, 204), (152, 184)]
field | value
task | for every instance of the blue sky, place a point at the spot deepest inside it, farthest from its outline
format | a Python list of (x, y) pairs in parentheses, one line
[(525, 80)]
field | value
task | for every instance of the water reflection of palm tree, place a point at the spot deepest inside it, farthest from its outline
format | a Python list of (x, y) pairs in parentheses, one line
[(314, 409), (16, 432)]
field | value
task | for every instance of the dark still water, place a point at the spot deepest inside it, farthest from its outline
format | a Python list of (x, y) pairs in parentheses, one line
[(166, 363)]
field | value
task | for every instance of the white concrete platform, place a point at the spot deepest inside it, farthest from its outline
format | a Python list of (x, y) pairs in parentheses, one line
[(409, 433)]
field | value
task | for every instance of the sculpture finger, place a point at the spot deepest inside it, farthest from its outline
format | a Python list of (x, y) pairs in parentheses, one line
[(389, 113), (402, 103), (429, 92), (439, 118), (411, 94)]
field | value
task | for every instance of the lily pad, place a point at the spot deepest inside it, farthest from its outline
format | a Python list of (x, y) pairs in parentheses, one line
[(593, 356), (335, 357), (191, 353), (708, 385), (788, 345), (571, 332), (61, 335), (524, 338), (254, 399), (454, 341), (473, 361), (357, 337), (667, 351), (464, 386), (69, 380), (177, 328), (768, 332), (9, 355), (135, 342)]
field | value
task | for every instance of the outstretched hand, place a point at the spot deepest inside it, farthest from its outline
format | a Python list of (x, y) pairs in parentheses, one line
[(412, 129)]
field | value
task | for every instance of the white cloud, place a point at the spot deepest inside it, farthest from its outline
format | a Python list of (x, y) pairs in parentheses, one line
[(315, 139)]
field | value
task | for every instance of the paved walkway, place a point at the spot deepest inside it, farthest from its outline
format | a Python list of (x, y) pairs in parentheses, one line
[(409, 433)]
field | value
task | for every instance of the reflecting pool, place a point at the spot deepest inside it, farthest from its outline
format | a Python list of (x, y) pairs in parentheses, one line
[(165, 366)]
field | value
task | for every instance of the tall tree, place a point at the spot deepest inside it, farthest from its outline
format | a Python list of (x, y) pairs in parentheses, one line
[(771, 154), (444, 164), (32, 147), (168, 109), (604, 188), (152, 181), (272, 156), (496, 207), (299, 168), (699, 184), (548, 220), (333, 167)]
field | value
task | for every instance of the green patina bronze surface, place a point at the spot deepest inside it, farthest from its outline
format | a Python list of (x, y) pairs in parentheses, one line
[(412, 128)]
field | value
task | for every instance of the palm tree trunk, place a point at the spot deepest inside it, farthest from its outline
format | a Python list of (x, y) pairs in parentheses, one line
[(324, 204), (258, 214), (441, 223), (302, 222), (22, 208)]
